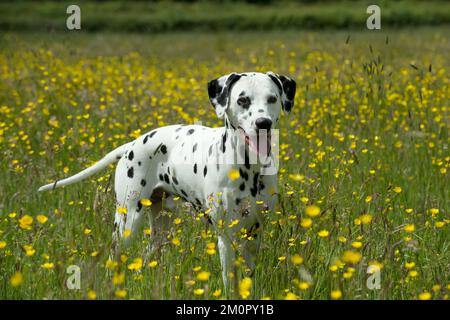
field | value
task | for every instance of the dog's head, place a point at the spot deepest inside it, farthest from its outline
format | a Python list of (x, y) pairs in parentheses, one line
[(252, 102)]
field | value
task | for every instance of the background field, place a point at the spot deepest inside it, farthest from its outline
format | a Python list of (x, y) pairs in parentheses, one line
[(162, 16), (367, 142)]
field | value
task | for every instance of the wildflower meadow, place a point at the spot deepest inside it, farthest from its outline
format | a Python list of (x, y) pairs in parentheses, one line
[(364, 158)]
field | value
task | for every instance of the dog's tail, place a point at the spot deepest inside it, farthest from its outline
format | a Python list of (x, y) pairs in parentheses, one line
[(111, 157)]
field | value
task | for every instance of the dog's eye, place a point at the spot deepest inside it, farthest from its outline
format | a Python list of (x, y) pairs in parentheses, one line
[(272, 99), (244, 102)]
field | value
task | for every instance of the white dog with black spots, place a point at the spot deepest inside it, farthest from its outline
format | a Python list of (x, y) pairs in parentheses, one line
[(194, 162)]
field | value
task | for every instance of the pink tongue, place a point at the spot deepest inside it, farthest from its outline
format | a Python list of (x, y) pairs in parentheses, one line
[(253, 144)]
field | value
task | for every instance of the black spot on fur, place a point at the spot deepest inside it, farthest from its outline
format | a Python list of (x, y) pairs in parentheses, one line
[(166, 178), (238, 201), (198, 202), (195, 168), (168, 170), (243, 174), (143, 182), (184, 193), (174, 180), (224, 139), (205, 171), (139, 206), (130, 172), (215, 89), (190, 131), (261, 185), (161, 177), (164, 149), (118, 157), (179, 128), (145, 139), (247, 159), (210, 150), (254, 189), (194, 148), (242, 186), (139, 163), (152, 134), (277, 82), (131, 155)]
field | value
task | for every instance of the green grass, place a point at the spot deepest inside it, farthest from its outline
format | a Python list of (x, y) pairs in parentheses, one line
[(366, 101), (162, 16)]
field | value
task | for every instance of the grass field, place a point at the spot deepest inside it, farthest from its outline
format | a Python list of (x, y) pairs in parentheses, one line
[(163, 16), (367, 143)]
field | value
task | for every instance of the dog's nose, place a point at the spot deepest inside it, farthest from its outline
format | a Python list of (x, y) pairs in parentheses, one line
[(263, 123)]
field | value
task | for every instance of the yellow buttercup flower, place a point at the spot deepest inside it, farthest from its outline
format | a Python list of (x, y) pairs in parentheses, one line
[(16, 279), (176, 241), (357, 244), (366, 218), (153, 264), (122, 210), (291, 296), (146, 202), (91, 295), (306, 223), (323, 233), (118, 278), (136, 264), (41, 219), (48, 265), (244, 287), (126, 233), (110, 264), (336, 294), (120, 293), (199, 291), (25, 222), (397, 189), (351, 257), (203, 276), (233, 174), (425, 296), (211, 248), (413, 273), (312, 211), (29, 250), (409, 228), (296, 259)]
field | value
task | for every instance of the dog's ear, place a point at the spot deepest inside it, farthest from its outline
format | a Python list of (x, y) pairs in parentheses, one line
[(287, 88), (219, 92)]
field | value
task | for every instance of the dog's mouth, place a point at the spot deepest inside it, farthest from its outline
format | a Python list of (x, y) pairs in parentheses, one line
[(259, 143)]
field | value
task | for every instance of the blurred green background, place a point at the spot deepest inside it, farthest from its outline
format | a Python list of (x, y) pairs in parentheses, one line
[(217, 15)]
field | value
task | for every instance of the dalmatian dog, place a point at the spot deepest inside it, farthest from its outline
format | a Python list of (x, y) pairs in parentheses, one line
[(201, 165)]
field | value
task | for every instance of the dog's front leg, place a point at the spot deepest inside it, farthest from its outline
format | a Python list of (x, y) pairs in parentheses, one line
[(227, 257), (223, 211)]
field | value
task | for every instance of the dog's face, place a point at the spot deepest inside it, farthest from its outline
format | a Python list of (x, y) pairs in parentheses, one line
[(252, 102)]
